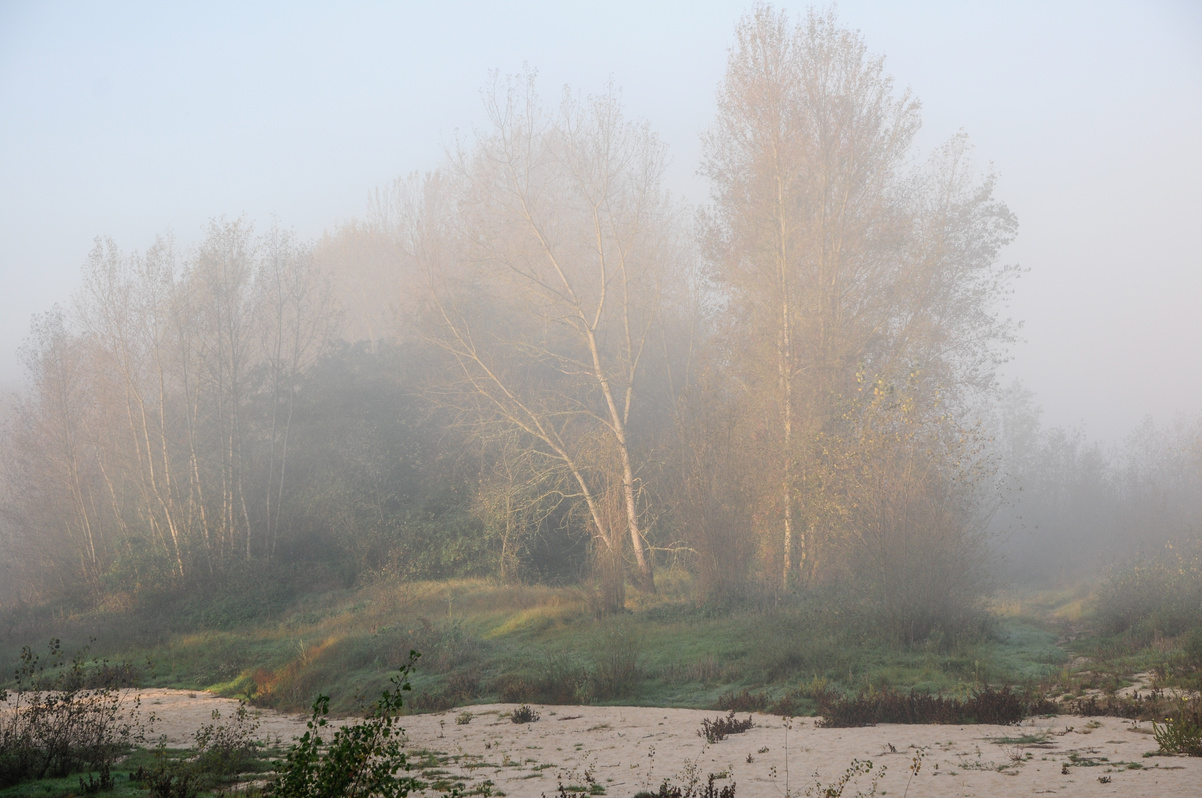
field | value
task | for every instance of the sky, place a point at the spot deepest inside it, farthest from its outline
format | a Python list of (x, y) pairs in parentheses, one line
[(131, 120)]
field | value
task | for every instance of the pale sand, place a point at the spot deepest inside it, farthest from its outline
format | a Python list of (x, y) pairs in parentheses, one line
[(628, 749)]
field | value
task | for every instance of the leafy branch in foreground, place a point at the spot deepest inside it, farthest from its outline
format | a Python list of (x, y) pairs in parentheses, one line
[(362, 759)]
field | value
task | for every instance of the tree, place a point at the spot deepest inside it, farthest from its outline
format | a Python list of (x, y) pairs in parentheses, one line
[(845, 269), (53, 492), (297, 324), (163, 398), (564, 239)]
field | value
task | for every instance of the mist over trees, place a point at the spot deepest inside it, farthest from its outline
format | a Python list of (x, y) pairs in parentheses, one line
[(1070, 505), (533, 363)]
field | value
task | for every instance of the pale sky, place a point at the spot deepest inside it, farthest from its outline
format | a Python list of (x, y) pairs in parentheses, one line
[(134, 119)]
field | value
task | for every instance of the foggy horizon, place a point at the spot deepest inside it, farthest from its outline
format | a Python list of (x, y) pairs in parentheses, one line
[(131, 121)]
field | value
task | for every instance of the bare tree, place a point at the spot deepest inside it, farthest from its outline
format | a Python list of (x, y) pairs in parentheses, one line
[(123, 311), (53, 493), (220, 277), (564, 239), (296, 318)]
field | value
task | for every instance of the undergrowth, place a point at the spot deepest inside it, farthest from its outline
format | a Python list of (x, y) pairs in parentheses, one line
[(66, 714), (1181, 732), (667, 789), (870, 707)]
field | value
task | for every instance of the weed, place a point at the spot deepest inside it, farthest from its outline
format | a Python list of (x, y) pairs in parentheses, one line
[(524, 714), (1181, 732), (718, 728), (463, 718), (1039, 739), (857, 768), (668, 790)]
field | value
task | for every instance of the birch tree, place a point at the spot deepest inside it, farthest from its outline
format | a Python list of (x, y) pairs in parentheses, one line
[(296, 325), (563, 240)]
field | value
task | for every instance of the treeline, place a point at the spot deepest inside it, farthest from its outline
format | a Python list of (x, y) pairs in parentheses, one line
[(1070, 506), (534, 363)]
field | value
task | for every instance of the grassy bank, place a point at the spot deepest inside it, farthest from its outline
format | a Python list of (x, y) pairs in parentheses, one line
[(481, 641)]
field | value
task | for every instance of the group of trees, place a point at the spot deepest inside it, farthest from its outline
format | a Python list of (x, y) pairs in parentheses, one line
[(158, 415), (551, 366), (1071, 505)]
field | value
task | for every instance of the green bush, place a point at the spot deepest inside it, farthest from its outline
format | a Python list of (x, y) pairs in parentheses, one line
[(362, 759), (1152, 596), (1181, 732)]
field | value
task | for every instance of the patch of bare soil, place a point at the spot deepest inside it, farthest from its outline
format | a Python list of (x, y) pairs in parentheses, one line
[(623, 750)]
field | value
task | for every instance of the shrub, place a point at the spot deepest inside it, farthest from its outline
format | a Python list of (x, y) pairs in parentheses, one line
[(616, 660), (1155, 596), (66, 717), (562, 681), (870, 707), (524, 714), (231, 747), (222, 751), (169, 779), (1181, 732), (717, 729), (359, 760)]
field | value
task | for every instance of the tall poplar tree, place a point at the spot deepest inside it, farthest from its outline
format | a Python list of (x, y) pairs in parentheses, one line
[(848, 271)]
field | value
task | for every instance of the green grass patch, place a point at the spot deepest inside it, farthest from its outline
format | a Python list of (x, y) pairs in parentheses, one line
[(483, 642)]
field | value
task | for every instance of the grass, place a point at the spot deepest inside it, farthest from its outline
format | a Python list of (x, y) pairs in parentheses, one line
[(484, 642), (69, 785)]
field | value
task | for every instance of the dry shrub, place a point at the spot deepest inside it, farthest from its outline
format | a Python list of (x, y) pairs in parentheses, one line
[(870, 707), (717, 729), (691, 790), (1151, 705), (791, 704), (66, 715)]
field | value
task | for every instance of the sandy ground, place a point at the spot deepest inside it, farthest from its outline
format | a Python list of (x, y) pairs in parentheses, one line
[(628, 749)]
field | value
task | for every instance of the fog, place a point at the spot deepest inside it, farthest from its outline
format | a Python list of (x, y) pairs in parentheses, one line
[(338, 266), (128, 120)]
